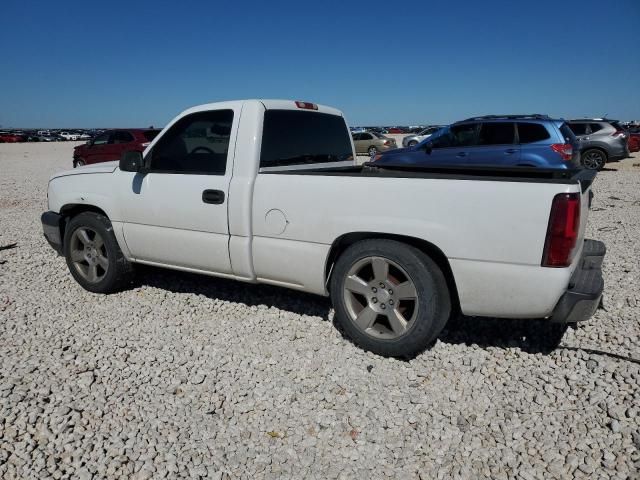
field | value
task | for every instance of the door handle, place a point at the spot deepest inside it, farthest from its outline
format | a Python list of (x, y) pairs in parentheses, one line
[(462, 154), (510, 151), (213, 196)]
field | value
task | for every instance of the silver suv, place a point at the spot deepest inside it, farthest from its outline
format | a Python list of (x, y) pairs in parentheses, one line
[(601, 140), (411, 140)]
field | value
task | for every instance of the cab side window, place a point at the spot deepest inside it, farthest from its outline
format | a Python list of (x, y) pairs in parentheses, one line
[(196, 144)]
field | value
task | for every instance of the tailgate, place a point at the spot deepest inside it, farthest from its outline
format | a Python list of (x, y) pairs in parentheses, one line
[(585, 180)]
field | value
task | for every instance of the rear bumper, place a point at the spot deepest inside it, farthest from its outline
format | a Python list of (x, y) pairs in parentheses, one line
[(583, 295), (51, 226)]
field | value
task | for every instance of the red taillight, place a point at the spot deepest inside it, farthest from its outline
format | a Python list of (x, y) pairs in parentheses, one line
[(387, 142), (306, 105), (564, 149), (563, 230)]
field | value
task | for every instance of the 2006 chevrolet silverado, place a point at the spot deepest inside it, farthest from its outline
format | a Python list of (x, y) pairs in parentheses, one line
[(268, 192)]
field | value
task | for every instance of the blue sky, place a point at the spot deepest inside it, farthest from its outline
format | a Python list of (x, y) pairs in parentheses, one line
[(137, 63)]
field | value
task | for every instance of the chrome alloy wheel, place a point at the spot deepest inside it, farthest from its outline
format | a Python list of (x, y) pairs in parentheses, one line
[(89, 254), (380, 297)]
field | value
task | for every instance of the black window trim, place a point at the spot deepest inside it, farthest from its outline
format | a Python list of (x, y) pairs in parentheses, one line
[(280, 167)]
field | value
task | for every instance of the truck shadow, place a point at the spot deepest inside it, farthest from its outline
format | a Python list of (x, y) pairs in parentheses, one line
[(234, 291), (528, 335)]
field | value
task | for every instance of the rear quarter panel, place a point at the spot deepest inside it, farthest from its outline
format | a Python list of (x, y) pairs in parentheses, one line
[(492, 232)]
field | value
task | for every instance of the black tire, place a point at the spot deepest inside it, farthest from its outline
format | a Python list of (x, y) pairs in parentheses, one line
[(433, 301), (595, 159), (372, 150), (412, 143), (119, 272), (78, 162)]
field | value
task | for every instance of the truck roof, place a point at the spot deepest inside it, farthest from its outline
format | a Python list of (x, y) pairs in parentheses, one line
[(269, 104)]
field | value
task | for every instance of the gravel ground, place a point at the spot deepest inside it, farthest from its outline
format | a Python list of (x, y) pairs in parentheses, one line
[(188, 376)]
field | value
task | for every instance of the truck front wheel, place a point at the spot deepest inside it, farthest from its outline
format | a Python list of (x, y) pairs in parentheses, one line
[(93, 255), (389, 298)]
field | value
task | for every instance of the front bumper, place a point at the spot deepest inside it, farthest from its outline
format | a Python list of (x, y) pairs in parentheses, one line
[(51, 226), (583, 295)]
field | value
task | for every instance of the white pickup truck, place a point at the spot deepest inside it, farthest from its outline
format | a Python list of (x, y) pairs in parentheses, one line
[(267, 191)]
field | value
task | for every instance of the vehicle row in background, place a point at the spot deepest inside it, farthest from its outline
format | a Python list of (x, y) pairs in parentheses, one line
[(19, 136)]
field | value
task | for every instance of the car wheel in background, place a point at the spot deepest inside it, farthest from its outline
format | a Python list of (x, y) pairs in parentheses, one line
[(593, 159), (412, 143), (389, 298), (372, 151), (93, 255), (78, 162)]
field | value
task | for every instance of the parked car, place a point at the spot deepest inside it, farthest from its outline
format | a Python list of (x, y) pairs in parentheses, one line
[(371, 143), (634, 141), (225, 193), (111, 144), (49, 138), (507, 140), (601, 141), (411, 140), (11, 137), (73, 136)]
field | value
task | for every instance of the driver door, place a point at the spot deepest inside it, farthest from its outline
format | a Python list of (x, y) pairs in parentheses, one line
[(175, 212)]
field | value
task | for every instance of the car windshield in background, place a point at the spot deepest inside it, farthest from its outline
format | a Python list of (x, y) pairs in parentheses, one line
[(293, 137), (376, 134), (150, 134)]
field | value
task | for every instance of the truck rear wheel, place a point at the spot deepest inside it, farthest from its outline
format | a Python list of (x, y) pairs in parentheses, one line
[(93, 255), (389, 298)]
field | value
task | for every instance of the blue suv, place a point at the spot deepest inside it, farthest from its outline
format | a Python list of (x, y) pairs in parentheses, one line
[(495, 140)]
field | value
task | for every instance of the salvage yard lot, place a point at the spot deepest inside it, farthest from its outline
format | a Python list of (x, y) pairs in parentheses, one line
[(194, 376)]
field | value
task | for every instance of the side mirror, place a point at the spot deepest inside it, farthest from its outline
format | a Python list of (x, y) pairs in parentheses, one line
[(428, 148), (131, 162)]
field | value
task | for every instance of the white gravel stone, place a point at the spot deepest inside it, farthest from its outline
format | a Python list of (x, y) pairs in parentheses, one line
[(190, 376)]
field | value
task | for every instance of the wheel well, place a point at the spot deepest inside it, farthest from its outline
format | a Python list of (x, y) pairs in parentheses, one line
[(345, 241), (71, 210)]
